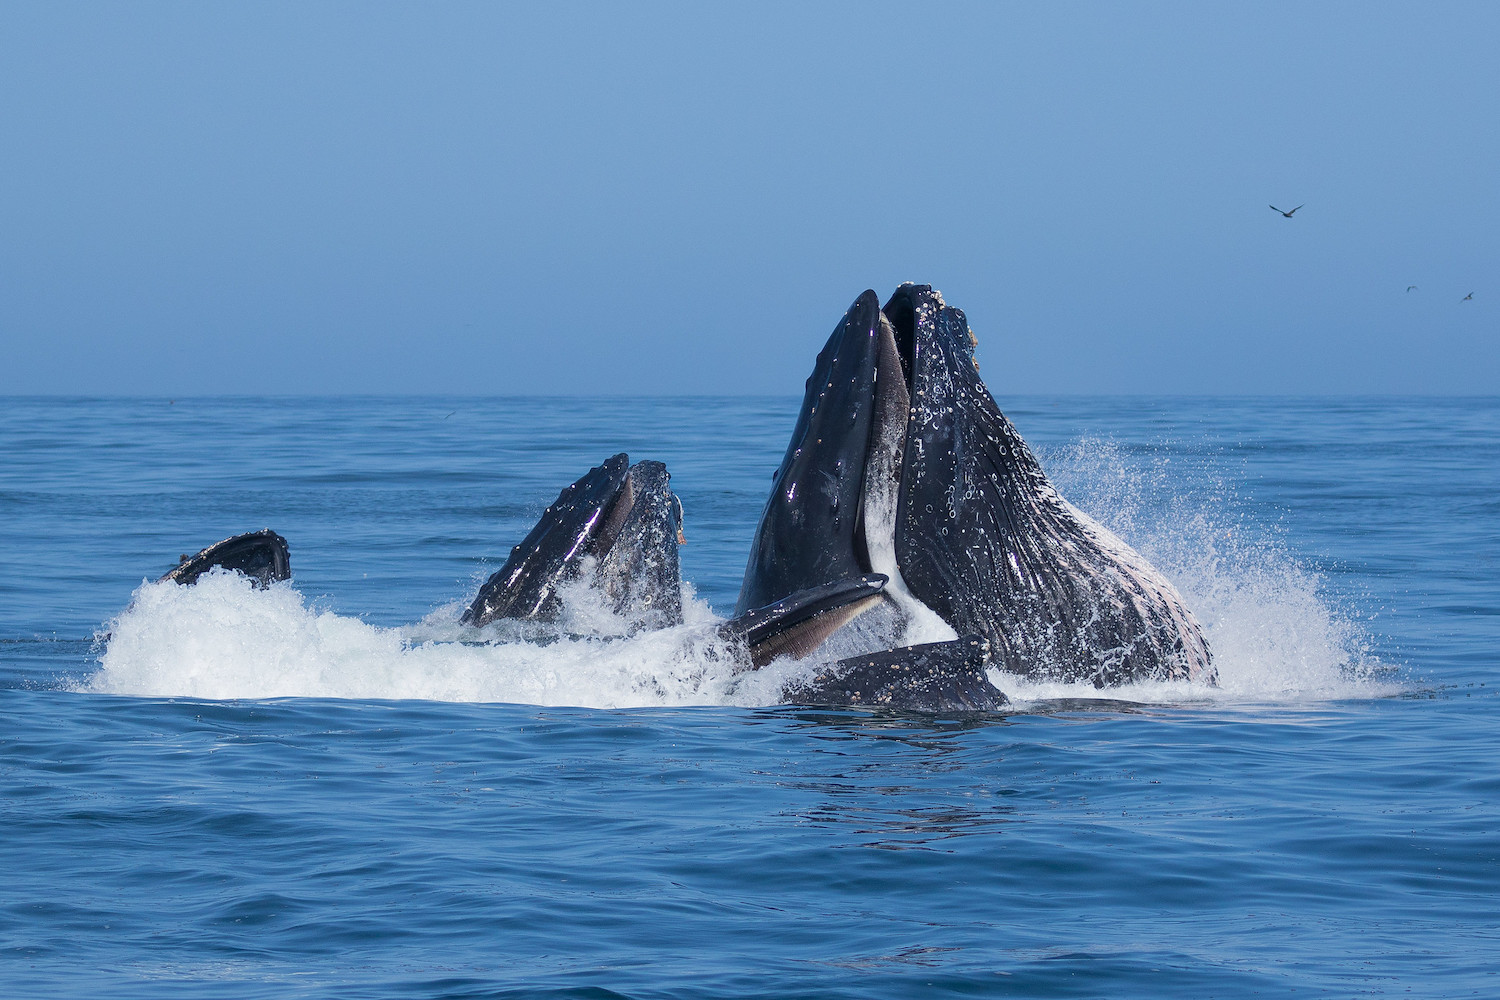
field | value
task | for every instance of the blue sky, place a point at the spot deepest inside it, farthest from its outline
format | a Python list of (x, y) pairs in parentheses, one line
[(481, 198)]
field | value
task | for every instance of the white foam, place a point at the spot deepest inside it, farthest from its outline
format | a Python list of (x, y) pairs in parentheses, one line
[(1273, 631), (223, 639)]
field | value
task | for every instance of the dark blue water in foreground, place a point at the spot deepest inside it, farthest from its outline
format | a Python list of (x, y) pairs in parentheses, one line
[(317, 792)]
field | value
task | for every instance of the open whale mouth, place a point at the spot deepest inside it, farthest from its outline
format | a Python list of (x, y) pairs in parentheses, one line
[(836, 497), (901, 465), (823, 576), (260, 555)]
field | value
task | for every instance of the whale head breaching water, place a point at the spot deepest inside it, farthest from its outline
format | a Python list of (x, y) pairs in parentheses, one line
[(902, 465), (620, 524), (617, 529), (261, 555)]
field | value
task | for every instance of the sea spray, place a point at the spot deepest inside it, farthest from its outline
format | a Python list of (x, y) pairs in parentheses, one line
[(1274, 632)]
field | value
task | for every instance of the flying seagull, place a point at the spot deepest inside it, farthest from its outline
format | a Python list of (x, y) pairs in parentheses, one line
[(1287, 214), (1466, 298), (1411, 288)]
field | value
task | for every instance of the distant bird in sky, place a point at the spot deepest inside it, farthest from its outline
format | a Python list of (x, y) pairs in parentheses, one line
[(1466, 298), (1411, 288), (1287, 214)]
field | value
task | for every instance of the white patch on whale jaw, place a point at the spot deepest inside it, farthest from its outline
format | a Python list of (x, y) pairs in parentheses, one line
[(882, 489)]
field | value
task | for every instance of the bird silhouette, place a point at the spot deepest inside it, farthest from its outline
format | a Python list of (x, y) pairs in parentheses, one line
[(1411, 288), (1287, 214), (1466, 298)]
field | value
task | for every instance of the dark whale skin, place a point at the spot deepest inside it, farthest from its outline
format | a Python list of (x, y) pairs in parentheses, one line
[(932, 677), (986, 541), (807, 535), (640, 569), (619, 522), (262, 555)]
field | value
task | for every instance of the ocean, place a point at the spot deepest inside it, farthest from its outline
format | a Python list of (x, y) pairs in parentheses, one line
[(321, 790)]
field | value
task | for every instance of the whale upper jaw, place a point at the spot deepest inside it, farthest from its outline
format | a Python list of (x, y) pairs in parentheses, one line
[(830, 516)]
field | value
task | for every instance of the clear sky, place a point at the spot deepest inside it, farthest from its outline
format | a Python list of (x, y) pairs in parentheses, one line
[(637, 198)]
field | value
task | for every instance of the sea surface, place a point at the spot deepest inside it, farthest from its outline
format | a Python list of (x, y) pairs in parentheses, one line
[(320, 790)]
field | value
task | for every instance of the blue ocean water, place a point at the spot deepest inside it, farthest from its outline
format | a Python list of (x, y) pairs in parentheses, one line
[(317, 791)]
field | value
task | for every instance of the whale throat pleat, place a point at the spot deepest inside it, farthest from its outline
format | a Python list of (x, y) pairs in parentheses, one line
[(985, 540)]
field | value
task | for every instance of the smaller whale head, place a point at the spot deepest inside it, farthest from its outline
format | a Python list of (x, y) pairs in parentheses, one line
[(619, 522), (262, 555)]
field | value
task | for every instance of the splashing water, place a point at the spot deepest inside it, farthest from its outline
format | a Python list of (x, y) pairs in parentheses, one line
[(1273, 634), (223, 639)]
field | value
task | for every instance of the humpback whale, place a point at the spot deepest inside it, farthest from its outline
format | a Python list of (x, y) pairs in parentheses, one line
[(619, 524), (902, 464), (261, 555)]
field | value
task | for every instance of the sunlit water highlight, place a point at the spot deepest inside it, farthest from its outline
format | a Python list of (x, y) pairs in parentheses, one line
[(329, 789)]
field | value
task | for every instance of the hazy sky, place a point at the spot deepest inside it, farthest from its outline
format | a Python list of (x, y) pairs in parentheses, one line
[(480, 198)]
